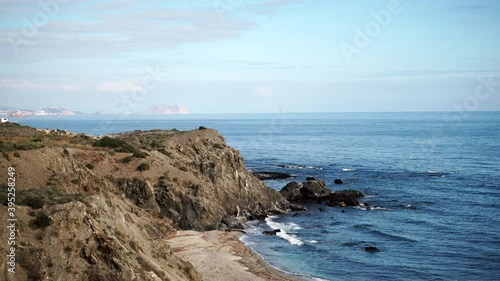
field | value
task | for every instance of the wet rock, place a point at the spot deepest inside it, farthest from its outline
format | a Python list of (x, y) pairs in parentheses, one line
[(310, 179), (271, 232), (344, 198), (315, 190), (322, 210), (271, 175), (308, 191), (372, 249), (338, 181), (297, 208)]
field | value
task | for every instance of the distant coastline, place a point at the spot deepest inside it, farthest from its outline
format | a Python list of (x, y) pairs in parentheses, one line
[(60, 111)]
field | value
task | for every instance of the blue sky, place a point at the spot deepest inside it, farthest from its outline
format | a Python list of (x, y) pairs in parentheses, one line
[(235, 56)]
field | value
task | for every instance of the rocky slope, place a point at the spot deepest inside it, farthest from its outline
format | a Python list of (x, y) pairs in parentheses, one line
[(101, 209)]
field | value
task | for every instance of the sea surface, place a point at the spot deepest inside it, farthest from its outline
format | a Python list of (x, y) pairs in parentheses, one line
[(432, 181)]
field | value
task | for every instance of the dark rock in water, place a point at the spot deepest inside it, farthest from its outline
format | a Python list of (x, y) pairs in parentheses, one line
[(295, 208), (308, 191), (344, 198), (371, 249), (271, 232), (338, 181), (322, 210), (315, 190), (310, 179), (291, 191), (272, 175)]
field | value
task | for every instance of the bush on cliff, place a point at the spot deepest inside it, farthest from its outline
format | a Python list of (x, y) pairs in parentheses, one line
[(143, 167)]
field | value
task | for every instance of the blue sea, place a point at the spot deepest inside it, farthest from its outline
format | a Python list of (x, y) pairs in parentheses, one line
[(432, 182)]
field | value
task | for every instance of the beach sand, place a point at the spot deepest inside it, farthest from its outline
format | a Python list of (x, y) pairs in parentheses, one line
[(221, 256)]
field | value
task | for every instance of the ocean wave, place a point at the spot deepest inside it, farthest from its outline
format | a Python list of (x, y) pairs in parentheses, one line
[(370, 229), (348, 170), (371, 208), (300, 167), (285, 229)]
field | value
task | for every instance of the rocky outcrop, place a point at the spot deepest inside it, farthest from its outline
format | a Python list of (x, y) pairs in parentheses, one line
[(316, 191), (211, 182), (272, 175), (308, 191), (344, 198)]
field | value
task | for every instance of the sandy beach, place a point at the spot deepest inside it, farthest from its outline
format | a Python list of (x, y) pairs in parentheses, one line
[(221, 256)]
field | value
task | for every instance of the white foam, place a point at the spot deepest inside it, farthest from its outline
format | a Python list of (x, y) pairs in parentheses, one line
[(370, 208), (348, 170), (312, 242), (285, 228)]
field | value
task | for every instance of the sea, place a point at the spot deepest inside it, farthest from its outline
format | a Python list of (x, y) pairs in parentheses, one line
[(431, 181)]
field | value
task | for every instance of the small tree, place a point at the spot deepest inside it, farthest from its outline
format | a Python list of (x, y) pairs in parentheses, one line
[(143, 167)]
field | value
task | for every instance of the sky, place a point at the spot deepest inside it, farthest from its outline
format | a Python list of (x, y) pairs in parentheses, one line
[(250, 56)]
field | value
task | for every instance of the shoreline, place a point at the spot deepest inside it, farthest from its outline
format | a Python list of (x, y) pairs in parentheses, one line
[(222, 256)]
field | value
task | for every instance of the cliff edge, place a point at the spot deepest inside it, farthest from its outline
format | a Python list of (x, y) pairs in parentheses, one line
[(101, 208)]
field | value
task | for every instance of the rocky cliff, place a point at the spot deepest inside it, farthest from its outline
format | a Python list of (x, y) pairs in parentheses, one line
[(101, 209)]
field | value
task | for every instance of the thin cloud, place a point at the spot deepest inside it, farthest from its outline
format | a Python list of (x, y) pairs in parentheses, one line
[(30, 85), (116, 87)]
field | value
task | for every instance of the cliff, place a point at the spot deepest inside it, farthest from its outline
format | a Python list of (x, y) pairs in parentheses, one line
[(101, 209)]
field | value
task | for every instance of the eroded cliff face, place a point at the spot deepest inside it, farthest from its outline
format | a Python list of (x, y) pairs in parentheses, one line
[(110, 208)]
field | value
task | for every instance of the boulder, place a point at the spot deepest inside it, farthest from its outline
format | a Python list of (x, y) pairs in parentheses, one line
[(308, 191), (297, 208), (310, 179), (271, 232), (338, 181), (291, 191), (230, 222), (344, 198), (371, 249), (272, 175), (315, 190)]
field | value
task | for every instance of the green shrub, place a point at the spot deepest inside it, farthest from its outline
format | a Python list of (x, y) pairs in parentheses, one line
[(66, 152), (35, 202), (90, 166), (202, 128), (110, 142), (218, 146), (140, 154), (143, 167), (184, 169), (165, 152), (127, 159), (41, 221), (16, 154)]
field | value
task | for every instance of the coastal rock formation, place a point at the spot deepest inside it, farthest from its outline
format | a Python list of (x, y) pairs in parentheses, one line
[(272, 175), (86, 212), (344, 198), (308, 191), (316, 191)]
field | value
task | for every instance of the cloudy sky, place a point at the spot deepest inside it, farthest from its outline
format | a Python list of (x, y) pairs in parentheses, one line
[(235, 56)]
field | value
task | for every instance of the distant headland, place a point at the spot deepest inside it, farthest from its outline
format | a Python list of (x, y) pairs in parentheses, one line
[(60, 111)]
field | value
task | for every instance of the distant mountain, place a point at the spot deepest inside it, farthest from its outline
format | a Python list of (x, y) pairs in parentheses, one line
[(165, 109), (41, 112)]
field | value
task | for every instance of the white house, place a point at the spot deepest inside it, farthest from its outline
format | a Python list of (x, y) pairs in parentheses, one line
[(4, 120)]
